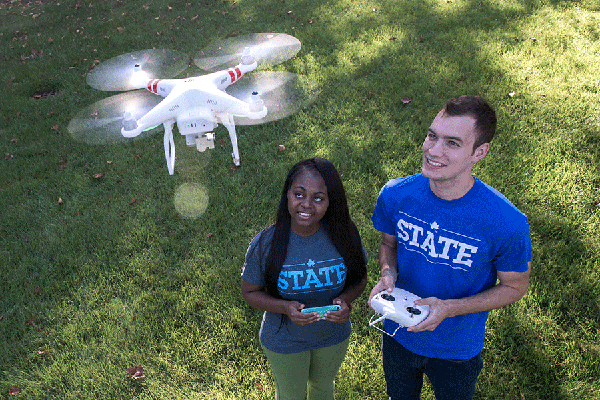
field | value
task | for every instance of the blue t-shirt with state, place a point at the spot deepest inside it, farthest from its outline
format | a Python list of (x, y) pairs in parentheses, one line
[(313, 274), (450, 250)]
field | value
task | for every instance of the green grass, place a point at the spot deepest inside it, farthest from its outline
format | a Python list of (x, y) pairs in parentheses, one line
[(122, 271)]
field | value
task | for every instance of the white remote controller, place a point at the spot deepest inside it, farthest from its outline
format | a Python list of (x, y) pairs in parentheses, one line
[(398, 306)]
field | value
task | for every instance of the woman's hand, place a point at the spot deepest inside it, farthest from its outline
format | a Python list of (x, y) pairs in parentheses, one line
[(297, 317), (340, 316)]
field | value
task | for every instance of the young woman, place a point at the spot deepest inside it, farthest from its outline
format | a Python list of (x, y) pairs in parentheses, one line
[(311, 256)]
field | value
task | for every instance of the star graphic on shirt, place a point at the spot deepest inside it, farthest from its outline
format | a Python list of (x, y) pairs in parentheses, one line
[(434, 225), (310, 263)]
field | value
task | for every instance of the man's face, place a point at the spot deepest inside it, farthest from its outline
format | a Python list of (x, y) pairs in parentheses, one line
[(448, 155)]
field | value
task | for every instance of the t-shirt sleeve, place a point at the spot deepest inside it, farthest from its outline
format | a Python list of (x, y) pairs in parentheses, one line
[(515, 252), (380, 218), (253, 270)]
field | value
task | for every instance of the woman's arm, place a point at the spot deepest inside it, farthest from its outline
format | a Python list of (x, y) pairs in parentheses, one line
[(257, 297)]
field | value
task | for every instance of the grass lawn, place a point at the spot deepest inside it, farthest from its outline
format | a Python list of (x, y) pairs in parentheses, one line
[(108, 263)]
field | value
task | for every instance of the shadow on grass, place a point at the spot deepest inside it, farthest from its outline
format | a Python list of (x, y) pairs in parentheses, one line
[(427, 51)]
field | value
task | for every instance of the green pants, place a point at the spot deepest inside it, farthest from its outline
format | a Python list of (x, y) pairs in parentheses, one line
[(311, 373)]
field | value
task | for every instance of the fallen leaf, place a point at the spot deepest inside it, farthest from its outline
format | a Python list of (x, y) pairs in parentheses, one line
[(136, 372), (405, 100), (14, 390), (98, 175), (511, 94), (55, 126), (281, 147), (120, 29), (8, 156), (60, 200), (133, 201), (44, 352), (209, 235)]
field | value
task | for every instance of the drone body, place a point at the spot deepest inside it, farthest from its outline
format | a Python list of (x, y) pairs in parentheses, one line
[(195, 104)]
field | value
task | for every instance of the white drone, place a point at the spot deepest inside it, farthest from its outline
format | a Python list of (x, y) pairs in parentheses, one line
[(196, 104)]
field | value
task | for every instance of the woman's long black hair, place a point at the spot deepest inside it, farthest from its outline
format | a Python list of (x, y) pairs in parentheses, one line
[(340, 228)]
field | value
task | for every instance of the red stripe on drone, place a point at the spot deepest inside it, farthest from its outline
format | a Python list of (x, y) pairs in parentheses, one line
[(153, 86), (235, 74)]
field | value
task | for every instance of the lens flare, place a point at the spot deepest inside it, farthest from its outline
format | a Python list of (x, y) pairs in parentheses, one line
[(191, 200)]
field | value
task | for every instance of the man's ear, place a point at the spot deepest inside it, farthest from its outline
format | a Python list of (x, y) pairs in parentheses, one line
[(480, 152)]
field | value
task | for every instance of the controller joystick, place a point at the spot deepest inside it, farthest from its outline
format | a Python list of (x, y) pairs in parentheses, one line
[(388, 297), (398, 306)]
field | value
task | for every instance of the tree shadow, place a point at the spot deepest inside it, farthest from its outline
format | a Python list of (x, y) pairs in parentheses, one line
[(372, 137)]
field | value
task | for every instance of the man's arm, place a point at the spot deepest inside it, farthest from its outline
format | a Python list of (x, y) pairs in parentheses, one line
[(388, 264), (511, 288)]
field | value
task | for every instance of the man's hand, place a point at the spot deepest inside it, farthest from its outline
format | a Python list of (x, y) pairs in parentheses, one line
[(388, 263), (511, 287), (438, 311), (387, 282)]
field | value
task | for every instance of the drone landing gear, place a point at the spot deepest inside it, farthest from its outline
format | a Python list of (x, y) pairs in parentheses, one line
[(228, 122), (202, 141), (169, 147)]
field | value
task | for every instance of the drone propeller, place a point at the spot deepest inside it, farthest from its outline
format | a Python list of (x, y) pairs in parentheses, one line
[(133, 70), (101, 122), (283, 93), (268, 49)]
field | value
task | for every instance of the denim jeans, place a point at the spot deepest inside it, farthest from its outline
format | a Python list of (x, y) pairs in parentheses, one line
[(451, 379)]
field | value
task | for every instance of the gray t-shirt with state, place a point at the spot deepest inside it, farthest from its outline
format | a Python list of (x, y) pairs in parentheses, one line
[(313, 274)]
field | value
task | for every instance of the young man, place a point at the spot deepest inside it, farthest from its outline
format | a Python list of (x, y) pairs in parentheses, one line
[(457, 243)]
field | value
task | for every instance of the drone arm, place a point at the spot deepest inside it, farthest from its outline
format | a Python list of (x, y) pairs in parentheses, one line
[(163, 111), (225, 78)]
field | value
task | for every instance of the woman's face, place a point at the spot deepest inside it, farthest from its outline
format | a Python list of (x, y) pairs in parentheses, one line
[(307, 202)]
